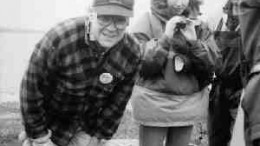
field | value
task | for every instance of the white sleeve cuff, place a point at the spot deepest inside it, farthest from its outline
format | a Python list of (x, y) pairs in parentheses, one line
[(43, 139)]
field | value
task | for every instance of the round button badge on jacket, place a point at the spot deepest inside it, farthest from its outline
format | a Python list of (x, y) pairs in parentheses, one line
[(105, 78), (178, 63)]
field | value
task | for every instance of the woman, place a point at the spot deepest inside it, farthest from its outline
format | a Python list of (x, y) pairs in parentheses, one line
[(171, 94)]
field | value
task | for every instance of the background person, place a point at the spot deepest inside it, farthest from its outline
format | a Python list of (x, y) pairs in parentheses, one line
[(227, 86), (250, 30)]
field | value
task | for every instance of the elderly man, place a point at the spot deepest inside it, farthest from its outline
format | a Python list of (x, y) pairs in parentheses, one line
[(80, 77)]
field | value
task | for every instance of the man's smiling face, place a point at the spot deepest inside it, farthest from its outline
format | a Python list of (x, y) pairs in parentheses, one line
[(108, 30)]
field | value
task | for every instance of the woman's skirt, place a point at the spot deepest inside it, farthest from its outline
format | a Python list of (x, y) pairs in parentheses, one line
[(152, 108)]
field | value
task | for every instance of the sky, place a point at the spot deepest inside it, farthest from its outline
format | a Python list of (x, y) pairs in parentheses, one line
[(42, 14)]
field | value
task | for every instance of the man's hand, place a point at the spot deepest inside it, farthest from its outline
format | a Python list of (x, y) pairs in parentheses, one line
[(28, 142), (97, 142), (47, 143), (93, 141), (102, 142), (80, 139), (42, 141)]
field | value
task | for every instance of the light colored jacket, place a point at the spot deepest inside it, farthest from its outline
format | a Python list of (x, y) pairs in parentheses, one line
[(150, 27)]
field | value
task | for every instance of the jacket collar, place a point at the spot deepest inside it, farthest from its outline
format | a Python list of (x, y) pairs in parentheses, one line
[(87, 30)]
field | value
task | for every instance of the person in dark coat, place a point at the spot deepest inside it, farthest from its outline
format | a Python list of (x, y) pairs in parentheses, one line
[(228, 83), (250, 29)]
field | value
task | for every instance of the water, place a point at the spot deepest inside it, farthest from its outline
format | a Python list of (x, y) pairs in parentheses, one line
[(15, 50)]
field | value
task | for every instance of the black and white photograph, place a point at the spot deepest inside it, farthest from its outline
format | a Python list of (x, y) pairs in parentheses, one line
[(129, 73)]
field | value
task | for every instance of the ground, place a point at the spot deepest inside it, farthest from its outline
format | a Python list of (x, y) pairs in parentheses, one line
[(127, 134)]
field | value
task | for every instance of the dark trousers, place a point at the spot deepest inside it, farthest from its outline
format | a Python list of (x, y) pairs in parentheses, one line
[(223, 108)]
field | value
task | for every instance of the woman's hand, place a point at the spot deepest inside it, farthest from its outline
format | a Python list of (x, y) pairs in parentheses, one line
[(189, 31), (171, 25)]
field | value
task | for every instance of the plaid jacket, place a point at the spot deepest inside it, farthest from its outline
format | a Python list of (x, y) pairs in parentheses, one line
[(62, 89)]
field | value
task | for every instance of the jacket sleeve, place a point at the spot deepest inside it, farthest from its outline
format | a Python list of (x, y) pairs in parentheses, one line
[(207, 52), (206, 48), (153, 55), (207, 55), (33, 91)]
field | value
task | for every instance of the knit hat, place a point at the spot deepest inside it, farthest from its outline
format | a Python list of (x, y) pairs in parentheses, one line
[(114, 7), (162, 9)]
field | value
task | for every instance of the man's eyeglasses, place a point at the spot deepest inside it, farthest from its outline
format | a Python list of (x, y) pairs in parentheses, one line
[(120, 22)]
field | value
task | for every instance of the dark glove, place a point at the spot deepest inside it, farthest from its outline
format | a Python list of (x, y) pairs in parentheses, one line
[(256, 142), (153, 62)]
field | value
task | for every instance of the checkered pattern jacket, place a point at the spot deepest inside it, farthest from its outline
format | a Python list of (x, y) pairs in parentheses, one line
[(62, 91)]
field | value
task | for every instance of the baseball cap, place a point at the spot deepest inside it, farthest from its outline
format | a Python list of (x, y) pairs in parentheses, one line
[(114, 7)]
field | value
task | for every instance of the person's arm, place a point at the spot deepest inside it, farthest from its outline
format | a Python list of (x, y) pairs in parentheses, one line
[(33, 91), (207, 54), (205, 47), (208, 59)]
